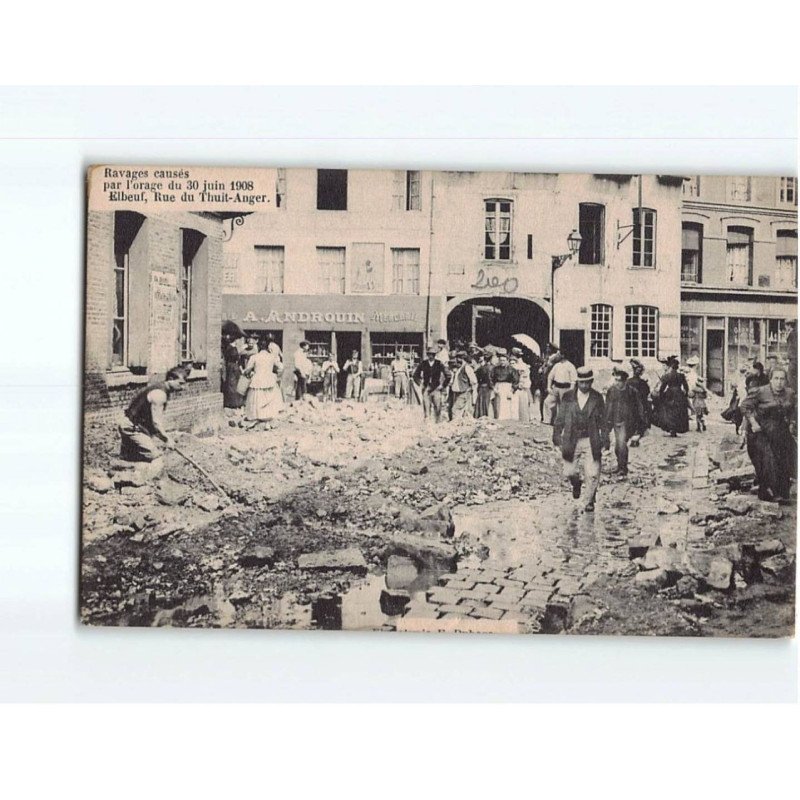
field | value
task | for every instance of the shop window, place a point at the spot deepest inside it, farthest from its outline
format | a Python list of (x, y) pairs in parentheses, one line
[(777, 344), (332, 189), (319, 346), (497, 230), (405, 270), (739, 257), (691, 186), (269, 269), (127, 225), (692, 253), (331, 261), (744, 343), (386, 345), (739, 189), (692, 338), (788, 191), (592, 231), (786, 259), (600, 331), (644, 237), (641, 332)]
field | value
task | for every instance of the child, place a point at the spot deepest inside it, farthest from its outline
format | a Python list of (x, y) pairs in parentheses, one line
[(699, 407)]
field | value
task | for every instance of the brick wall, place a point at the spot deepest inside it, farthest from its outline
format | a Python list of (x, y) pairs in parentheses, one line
[(162, 249)]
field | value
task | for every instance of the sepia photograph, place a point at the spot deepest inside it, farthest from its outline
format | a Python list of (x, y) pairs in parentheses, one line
[(440, 401)]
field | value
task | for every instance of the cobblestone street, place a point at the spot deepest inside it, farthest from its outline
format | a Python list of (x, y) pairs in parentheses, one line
[(457, 527)]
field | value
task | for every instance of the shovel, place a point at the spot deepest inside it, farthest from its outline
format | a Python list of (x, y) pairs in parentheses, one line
[(203, 473)]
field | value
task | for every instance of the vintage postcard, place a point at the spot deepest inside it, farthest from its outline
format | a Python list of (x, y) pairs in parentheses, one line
[(455, 401)]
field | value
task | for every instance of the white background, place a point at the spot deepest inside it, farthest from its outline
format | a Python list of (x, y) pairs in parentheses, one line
[(49, 136)]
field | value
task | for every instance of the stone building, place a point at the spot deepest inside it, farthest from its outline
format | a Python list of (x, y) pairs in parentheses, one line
[(738, 272), (385, 260), (153, 301)]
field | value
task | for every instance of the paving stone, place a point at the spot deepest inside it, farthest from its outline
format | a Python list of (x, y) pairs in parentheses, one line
[(511, 582), (507, 605), (441, 594), (449, 608), (350, 559), (460, 585), (487, 588), (492, 612)]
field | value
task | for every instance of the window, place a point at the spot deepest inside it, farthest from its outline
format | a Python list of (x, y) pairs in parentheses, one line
[(691, 186), (592, 230), (127, 225), (412, 190), (692, 338), (385, 345), (641, 332), (692, 253), (319, 347), (644, 238), (269, 269), (744, 343), (405, 271), (332, 189), (786, 260), (788, 193), (600, 332), (740, 256), (497, 240), (331, 262), (280, 188), (739, 189)]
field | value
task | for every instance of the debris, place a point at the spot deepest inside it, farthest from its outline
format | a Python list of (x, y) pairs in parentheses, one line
[(720, 574), (350, 559), (99, 482), (257, 557)]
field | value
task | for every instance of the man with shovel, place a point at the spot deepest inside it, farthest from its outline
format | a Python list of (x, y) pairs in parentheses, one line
[(145, 424)]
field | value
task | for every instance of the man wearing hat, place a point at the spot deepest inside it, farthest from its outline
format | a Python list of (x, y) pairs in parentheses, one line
[(624, 415), (463, 387), (353, 369), (303, 367), (483, 405), (642, 388), (560, 380), (580, 431), (429, 375)]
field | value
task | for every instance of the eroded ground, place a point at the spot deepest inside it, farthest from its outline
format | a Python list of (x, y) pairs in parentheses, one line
[(364, 517)]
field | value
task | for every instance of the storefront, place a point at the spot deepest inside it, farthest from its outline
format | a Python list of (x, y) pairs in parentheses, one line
[(729, 334), (336, 325)]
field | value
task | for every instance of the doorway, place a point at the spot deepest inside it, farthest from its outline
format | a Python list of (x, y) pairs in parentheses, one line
[(715, 373), (346, 342), (495, 320), (572, 344)]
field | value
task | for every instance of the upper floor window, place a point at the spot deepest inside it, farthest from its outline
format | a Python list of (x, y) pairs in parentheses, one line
[(788, 191), (644, 237), (332, 189), (786, 259), (406, 191), (405, 270), (331, 262), (739, 255), (641, 332), (269, 269), (591, 224), (600, 331), (692, 253), (691, 186), (192, 242), (497, 226), (739, 188)]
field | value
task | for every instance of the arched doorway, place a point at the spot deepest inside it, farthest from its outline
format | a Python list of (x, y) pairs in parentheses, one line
[(494, 320)]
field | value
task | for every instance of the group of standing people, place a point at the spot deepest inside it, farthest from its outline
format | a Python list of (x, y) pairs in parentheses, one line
[(253, 369)]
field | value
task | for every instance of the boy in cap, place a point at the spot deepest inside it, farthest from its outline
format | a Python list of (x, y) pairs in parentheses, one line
[(580, 431)]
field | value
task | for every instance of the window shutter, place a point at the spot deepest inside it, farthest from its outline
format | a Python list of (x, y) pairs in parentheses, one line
[(786, 244), (738, 236), (199, 320), (139, 299), (691, 238)]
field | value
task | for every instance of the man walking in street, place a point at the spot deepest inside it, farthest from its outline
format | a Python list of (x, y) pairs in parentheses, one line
[(303, 367), (354, 369), (580, 431), (624, 415), (399, 368), (429, 376), (560, 380), (145, 421), (464, 388)]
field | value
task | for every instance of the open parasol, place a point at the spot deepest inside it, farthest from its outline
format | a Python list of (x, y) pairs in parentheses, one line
[(529, 342)]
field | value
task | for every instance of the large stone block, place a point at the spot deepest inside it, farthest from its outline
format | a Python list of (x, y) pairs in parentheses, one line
[(350, 559)]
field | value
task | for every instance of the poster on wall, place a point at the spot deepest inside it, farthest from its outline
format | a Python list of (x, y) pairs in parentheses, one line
[(498, 415)]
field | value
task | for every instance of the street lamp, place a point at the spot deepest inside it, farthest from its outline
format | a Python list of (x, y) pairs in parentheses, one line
[(574, 244)]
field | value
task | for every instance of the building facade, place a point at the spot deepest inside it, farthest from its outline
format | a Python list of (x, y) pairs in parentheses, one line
[(153, 300), (738, 272), (378, 261)]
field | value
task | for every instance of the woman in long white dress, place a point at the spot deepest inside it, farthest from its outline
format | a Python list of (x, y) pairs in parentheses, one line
[(522, 399), (264, 399)]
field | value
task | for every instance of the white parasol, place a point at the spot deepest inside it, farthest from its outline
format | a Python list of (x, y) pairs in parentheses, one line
[(528, 342)]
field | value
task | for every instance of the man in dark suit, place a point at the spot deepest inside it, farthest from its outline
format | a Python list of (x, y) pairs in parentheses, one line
[(580, 431), (624, 416), (429, 375)]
